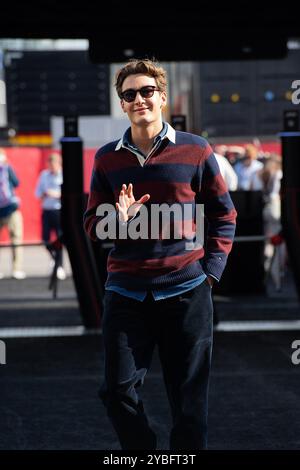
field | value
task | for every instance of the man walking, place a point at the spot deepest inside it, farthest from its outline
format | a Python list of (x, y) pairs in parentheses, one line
[(158, 288)]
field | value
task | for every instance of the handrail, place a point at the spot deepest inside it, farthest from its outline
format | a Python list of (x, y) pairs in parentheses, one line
[(239, 239), (11, 245)]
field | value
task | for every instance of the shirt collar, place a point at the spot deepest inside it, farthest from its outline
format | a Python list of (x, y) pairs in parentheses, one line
[(167, 132)]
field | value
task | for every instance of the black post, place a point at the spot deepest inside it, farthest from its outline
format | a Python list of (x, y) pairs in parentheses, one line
[(178, 121), (290, 202), (85, 274)]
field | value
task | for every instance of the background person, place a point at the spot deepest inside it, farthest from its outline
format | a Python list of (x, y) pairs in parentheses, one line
[(48, 189), (10, 214), (268, 180), (227, 171), (247, 167)]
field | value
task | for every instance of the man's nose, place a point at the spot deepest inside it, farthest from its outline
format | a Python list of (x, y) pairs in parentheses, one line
[(138, 97)]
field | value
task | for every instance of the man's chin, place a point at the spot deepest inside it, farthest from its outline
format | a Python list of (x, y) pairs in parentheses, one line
[(142, 121)]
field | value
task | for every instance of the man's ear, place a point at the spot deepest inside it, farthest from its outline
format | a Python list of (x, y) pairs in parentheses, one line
[(163, 97), (122, 105)]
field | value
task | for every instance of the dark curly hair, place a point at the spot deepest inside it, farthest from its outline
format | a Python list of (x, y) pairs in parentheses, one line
[(145, 66)]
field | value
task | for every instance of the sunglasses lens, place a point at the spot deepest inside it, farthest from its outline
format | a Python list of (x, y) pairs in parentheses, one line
[(147, 91), (129, 95)]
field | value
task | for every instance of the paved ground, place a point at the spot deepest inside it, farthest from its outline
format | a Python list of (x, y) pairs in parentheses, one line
[(36, 261), (49, 383)]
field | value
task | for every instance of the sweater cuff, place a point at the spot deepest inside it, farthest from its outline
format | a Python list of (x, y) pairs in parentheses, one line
[(214, 265)]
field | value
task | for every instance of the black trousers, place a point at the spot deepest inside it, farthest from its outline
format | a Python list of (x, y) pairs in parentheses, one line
[(182, 328), (51, 223)]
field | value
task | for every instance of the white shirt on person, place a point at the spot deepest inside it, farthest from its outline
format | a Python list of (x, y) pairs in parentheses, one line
[(227, 171), (246, 173)]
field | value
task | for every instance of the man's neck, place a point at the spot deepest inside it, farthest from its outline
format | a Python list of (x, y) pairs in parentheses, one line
[(143, 137)]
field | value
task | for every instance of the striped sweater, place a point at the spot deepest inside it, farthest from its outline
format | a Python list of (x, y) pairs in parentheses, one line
[(182, 170)]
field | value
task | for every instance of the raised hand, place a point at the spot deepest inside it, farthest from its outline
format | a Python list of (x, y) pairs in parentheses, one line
[(127, 206)]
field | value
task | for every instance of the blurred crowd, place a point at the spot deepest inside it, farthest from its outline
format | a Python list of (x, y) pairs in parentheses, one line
[(249, 168)]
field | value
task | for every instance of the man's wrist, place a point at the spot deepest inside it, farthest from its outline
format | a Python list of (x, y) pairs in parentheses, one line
[(129, 218), (119, 219)]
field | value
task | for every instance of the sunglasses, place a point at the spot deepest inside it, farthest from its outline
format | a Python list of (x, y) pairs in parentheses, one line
[(145, 92)]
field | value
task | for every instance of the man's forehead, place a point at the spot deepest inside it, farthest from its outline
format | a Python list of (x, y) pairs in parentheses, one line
[(137, 80)]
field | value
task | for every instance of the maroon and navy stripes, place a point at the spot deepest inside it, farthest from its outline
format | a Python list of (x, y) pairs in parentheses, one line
[(182, 172)]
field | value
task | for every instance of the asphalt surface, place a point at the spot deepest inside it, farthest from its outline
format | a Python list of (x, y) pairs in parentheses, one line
[(49, 383)]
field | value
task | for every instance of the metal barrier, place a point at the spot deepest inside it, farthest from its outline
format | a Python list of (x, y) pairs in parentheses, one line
[(11, 245), (274, 270), (53, 249)]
